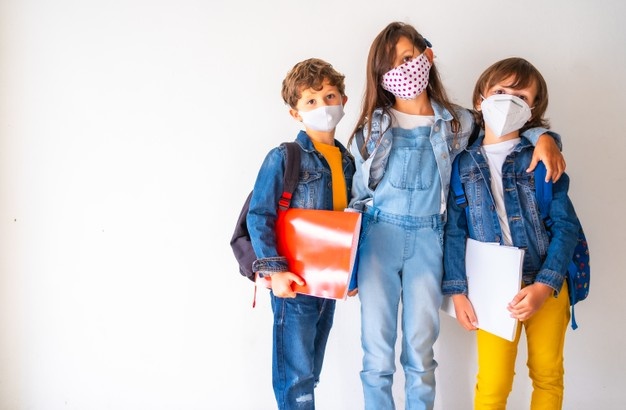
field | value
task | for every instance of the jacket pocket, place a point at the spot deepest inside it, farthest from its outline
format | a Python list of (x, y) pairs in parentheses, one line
[(309, 190)]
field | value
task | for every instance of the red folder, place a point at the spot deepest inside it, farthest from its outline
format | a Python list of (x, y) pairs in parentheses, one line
[(320, 246)]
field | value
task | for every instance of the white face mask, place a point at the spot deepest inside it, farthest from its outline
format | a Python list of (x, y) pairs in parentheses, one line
[(323, 118), (504, 113)]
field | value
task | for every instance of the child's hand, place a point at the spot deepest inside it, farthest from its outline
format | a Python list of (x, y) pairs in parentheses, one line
[(281, 284), (529, 300), (353, 292), (464, 310), (548, 152)]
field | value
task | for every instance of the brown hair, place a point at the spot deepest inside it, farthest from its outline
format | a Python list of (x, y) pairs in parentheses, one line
[(380, 59), (523, 74), (310, 73)]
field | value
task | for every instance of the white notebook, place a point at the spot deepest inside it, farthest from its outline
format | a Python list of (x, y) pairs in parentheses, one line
[(494, 277)]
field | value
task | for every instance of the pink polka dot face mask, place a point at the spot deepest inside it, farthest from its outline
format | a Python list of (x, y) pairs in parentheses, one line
[(408, 80)]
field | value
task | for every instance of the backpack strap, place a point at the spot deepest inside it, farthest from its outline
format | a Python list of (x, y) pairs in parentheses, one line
[(543, 193), (292, 174), (456, 185), (290, 182), (455, 177), (474, 135)]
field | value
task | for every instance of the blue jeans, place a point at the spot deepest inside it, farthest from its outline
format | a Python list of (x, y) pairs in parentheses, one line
[(301, 329), (400, 260)]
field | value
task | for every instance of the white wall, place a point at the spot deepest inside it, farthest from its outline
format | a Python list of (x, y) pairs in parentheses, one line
[(132, 130)]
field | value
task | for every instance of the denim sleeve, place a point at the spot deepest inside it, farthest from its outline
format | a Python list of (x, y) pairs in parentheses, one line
[(564, 236), (533, 135), (455, 234), (262, 214), (360, 189)]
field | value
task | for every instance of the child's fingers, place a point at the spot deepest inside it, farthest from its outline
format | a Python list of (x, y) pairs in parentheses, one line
[(296, 278), (533, 163), (281, 284), (473, 320), (517, 299), (555, 170), (467, 319)]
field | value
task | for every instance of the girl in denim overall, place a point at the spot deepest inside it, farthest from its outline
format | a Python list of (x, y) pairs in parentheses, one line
[(503, 209), (406, 137)]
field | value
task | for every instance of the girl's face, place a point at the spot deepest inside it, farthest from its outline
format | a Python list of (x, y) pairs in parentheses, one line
[(528, 94), (405, 51)]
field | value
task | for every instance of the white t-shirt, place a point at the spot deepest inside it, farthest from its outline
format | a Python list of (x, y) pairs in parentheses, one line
[(410, 121), (495, 155)]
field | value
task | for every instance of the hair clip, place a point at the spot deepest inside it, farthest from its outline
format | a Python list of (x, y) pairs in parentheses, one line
[(428, 44)]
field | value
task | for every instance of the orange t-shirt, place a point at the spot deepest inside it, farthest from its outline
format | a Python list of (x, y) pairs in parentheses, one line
[(333, 156)]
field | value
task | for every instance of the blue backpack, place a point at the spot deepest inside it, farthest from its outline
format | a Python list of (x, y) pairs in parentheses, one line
[(578, 271)]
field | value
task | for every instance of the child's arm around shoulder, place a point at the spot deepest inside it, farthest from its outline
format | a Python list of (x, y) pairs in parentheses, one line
[(547, 149)]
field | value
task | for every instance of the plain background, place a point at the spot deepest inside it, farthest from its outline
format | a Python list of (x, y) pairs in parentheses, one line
[(132, 130)]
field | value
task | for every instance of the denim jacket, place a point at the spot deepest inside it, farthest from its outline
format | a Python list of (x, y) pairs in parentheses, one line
[(371, 170), (314, 191), (446, 145), (545, 260)]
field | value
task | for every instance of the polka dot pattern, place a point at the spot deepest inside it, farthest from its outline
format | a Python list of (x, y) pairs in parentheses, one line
[(409, 79)]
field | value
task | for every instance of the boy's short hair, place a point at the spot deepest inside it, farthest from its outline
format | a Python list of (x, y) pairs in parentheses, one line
[(310, 73), (524, 74)]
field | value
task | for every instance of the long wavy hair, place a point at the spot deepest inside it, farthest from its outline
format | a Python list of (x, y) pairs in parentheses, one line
[(381, 56)]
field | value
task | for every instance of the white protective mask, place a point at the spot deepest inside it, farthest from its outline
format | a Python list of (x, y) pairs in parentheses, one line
[(504, 113), (324, 118)]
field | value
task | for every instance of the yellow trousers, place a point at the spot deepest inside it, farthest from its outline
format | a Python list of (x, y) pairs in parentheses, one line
[(545, 335)]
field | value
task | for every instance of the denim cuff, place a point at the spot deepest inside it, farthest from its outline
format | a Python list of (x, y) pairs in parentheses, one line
[(270, 265), (454, 287), (552, 279)]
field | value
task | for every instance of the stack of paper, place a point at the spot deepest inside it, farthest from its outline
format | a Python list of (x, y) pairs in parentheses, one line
[(494, 277)]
